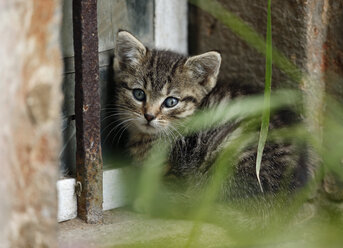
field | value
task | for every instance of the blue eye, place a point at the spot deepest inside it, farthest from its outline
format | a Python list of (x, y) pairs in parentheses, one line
[(170, 102), (139, 95)]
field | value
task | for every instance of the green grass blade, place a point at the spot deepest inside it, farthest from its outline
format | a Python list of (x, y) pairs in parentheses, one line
[(150, 177), (267, 93)]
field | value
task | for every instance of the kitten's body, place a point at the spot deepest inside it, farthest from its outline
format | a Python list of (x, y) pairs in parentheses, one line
[(163, 74)]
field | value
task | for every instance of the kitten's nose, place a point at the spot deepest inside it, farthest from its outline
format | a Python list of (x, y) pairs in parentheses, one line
[(149, 117)]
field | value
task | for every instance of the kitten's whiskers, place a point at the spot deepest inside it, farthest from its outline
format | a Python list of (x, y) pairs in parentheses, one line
[(120, 124)]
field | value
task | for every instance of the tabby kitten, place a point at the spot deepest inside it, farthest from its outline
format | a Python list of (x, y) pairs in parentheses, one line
[(155, 89)]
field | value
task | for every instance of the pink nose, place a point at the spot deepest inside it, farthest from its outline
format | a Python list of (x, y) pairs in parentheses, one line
[(149, 117)]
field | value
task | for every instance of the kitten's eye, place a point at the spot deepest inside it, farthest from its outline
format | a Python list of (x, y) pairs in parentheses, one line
[(170, 102), (139, 94)]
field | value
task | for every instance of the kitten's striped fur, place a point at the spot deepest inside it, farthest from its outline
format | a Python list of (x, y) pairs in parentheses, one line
[(192, 80)]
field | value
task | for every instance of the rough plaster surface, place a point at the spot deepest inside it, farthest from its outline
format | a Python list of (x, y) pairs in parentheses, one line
[(30, 74)]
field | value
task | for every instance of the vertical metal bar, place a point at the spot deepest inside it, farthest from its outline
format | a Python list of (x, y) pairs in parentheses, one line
[(87, 111)]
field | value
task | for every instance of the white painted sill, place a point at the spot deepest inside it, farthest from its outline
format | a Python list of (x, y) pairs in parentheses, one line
[(114, 195)]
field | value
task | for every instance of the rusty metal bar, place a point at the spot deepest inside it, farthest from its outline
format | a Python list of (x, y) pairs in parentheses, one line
[(87, 111)]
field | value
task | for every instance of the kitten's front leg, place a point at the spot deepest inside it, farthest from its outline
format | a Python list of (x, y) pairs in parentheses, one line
[(140, 145)]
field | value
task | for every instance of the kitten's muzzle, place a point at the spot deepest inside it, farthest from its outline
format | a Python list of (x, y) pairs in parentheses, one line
[(149, 117)]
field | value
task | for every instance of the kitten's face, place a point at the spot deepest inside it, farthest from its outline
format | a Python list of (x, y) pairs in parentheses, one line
[(155, 89)]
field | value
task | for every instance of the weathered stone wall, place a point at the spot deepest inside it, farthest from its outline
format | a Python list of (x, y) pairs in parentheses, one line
[(30, 74), (290, 23)]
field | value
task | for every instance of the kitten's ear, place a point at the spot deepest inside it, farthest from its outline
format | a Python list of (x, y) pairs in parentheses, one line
[(204, 68), (129, 51)]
